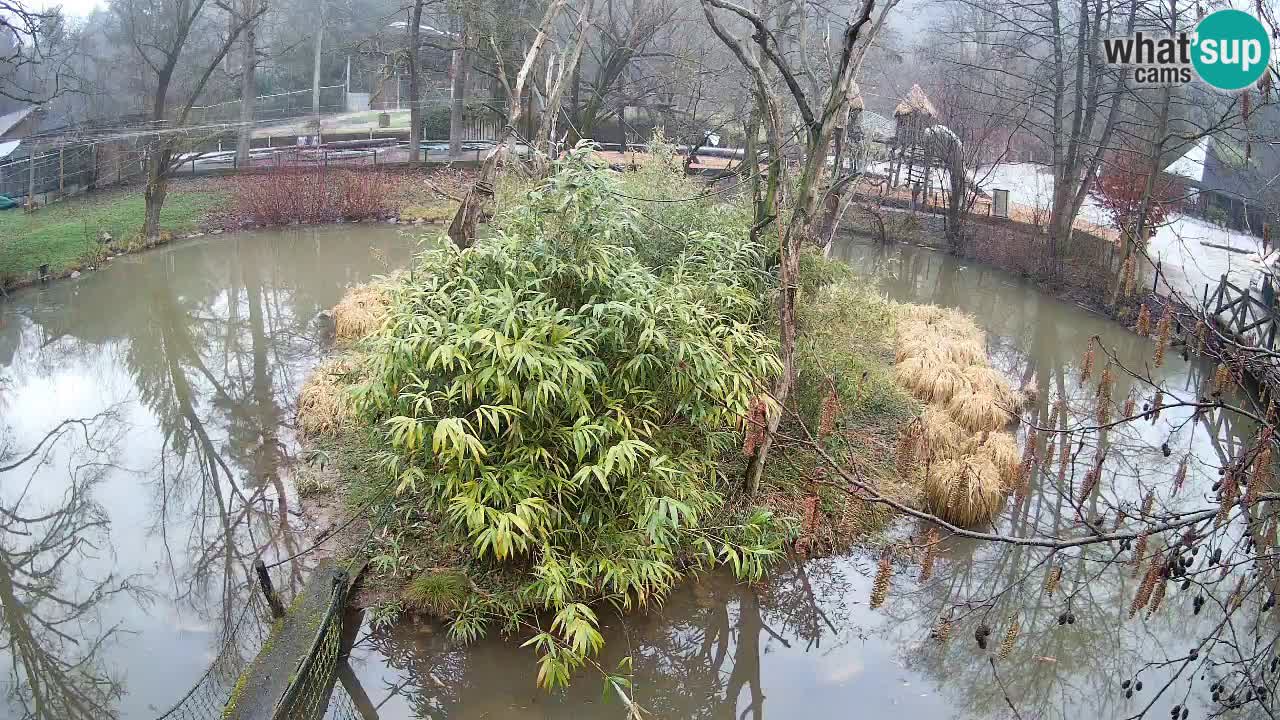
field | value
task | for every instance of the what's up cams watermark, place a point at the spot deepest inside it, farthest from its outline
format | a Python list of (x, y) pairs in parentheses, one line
[(1228, 49)]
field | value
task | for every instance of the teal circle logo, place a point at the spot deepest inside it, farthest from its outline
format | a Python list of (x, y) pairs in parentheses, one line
[(1231, 49)]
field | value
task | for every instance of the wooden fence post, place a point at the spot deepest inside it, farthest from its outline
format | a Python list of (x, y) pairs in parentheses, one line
[(268, 590), (62, 172)]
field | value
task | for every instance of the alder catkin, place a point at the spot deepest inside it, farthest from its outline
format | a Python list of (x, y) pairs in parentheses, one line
[(1143, 327), (1052, 580), (830, 409), (880, 586), (1086, 364), (1010, 637), (931, 540), (1163, 329)]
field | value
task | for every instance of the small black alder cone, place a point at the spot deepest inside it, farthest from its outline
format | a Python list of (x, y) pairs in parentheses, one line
[(981, 634)]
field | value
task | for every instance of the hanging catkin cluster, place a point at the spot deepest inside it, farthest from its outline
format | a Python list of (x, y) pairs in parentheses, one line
[(1064, 458), (1086, 364), (880, 586), (1202, 335), (1143, 596), (1148, 503), (1227, 498), (1261, 476), (1163, 330), (756, 420), (931, 540), (908, 450), (1139, 552), (1090, 483), (1157, 404), (1010, 637), (1052, 580), (1157, 595), (1130, 405), (830, 410), (942, 629), (1130, 275), (1143, 327), (1105, 385), (1221, 379), (1180, 476)]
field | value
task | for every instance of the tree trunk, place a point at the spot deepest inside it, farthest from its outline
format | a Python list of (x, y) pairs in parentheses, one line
[(248, 88), (415, 103), (458, 94), (462, 230), (545, 136), (154, 195)]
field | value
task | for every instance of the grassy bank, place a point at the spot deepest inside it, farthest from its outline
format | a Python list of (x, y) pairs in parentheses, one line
[(74, 234), (66, 235)]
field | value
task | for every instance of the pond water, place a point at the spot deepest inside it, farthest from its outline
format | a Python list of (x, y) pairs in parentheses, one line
[(126, 539), (805, 644)]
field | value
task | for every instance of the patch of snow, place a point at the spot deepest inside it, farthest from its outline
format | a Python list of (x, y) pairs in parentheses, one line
[(7, 148), (1189, 264)]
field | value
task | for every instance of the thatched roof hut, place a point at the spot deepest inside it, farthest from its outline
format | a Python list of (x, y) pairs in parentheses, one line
[(916, 102)]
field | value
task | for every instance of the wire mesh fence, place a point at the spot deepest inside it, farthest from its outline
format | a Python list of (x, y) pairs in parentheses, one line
[(207, 699), (277, 106)]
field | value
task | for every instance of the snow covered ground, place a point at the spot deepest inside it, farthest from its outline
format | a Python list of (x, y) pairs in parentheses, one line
[(1188, 263)]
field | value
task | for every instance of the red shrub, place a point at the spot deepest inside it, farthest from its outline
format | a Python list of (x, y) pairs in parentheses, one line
[(287, 194), (1120, 188)]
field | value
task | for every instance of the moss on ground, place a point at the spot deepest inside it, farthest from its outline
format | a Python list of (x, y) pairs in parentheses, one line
[(65, 235)]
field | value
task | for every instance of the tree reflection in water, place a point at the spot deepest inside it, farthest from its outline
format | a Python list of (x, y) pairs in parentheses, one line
[(51, 633), (201, 346)]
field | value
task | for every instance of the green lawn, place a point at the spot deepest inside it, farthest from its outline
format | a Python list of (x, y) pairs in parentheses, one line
[(63, 234)]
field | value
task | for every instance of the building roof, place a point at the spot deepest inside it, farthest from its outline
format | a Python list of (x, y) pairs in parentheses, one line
[(10, 120), (7, 147), (876, 126), (1226, 170), (915, 102), (1191, 164)]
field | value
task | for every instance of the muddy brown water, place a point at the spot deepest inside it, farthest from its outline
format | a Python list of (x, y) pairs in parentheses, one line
[(126, 540)]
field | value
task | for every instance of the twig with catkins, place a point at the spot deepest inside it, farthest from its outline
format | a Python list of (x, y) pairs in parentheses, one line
[(1052, 580), (884, 572), (1227, 498), (756, 420), (931, 540), (830, 410), (1180, 475), (1143, 326), (1010, 636), (1163, 329), (1143, 596), (1086, 363)]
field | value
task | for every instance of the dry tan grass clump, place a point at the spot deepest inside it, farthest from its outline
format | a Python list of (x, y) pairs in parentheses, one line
[(360, 311), (965, 459), (966, 492), (324, 405), (930, 380), (978, 412)]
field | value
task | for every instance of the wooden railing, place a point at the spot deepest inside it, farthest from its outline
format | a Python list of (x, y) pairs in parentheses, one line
[(1251, 318)]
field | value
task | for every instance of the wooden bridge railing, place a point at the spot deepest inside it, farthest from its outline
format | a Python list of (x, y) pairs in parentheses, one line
[(1251, 318)]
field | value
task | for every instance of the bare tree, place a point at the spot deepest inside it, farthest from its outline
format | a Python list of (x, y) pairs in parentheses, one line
[(462, 230), (161, 33), (817, 125)]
